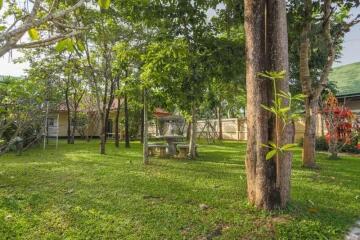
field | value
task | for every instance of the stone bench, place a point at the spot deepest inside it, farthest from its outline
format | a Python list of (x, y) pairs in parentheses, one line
[(157, 148), (184, 150)]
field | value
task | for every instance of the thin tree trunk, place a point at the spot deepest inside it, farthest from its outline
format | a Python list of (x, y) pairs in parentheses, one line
[(68, 116), (117, 120), (268, 181), (127, 137), (220, 122), (192, 144), (308, 155), (145, 133), (74, 126), (102, 134), (142, 118), (313, 93), (188, 131)]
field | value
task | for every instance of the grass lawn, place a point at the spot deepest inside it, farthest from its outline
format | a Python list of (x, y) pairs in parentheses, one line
[(74, 193)]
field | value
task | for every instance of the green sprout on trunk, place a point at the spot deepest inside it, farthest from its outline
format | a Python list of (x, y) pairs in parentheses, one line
[(285, 109)]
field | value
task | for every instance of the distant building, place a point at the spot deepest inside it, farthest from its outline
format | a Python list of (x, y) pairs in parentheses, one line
[(347, 81)]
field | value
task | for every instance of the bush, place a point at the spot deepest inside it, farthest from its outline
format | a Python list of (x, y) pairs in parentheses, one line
[(352, 147), (320, 144)]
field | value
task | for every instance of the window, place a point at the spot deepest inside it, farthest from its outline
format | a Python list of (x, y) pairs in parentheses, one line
[(51, 122)]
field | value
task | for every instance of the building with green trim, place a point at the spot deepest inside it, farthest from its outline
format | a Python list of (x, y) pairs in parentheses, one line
[(347, 80)]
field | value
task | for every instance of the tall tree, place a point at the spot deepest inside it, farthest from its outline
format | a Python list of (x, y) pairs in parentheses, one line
[(268, 181), (332, 26)]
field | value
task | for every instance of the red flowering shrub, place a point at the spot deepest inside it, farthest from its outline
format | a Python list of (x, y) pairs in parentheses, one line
[(340, 124)]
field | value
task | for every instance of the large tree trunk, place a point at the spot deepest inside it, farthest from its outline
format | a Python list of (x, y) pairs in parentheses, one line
[(145, 133), (192, 144), (126, 113), (268, 181), (220, 137)]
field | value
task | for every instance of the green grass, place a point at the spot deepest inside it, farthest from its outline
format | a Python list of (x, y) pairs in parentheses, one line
[(346, 78), (74, 193)]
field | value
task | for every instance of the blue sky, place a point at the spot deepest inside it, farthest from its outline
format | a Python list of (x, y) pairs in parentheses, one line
[(350, 54)]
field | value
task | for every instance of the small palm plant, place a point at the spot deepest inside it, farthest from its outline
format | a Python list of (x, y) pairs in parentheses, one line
[(286, 109)]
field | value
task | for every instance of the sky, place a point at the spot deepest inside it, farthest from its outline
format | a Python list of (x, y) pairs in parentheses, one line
[(350, 54)]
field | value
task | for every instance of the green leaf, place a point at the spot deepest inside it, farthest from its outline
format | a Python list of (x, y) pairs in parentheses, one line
[(1, 4), (66, 44), (80, 46), (270, 154), (33, 34), (104, 4), (284, 110), (271, 143), (288, 146)]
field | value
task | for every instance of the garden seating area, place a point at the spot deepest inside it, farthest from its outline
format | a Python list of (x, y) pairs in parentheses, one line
[(162, 150)]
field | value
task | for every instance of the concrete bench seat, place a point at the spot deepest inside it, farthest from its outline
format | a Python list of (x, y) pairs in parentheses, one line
[(157, 148), (184, 150)]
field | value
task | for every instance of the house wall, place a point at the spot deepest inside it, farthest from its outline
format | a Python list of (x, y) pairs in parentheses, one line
[(94, 128)]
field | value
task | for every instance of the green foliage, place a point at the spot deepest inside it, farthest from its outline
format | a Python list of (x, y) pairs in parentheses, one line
[(104, 4), (1, 4), (73, 192), (321, 144), (34, 34), (65, 45), (283, 109)]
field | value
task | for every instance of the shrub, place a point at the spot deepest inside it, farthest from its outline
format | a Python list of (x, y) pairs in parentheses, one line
[(352, 147), (320, 144)]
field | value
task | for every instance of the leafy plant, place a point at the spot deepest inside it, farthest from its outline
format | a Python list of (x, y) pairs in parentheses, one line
[(34, 34), (283, 107)]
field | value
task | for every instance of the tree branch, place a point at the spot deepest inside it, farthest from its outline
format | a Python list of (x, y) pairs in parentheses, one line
[(46, 42)]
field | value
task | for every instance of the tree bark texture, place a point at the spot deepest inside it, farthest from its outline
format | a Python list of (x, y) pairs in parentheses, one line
[(126, 115), (117, 120), (74, 126), (268, 181), (220, 137), (102, 133), (308, 154), (142, 118), (68, 115), (313, 92), (145, 133), (192, 143)]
